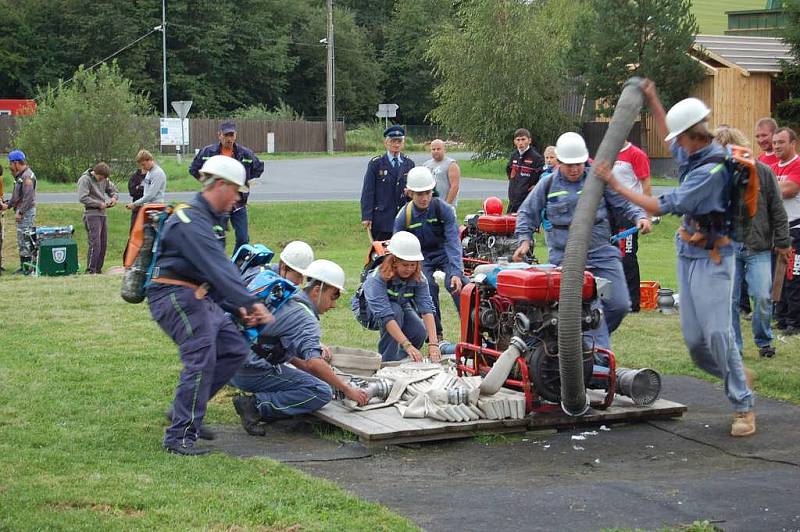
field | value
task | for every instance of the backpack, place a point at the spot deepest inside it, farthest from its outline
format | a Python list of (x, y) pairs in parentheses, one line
[(744, 187), (358, 303), (142, 249)]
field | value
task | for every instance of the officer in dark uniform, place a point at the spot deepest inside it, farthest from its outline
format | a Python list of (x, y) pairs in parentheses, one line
[(253, 169), (383, 192), (523, 169), (193, 281)]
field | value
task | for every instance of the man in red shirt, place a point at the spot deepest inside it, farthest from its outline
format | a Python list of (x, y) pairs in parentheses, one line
[(632, 168), (787, 170), (765, 129)]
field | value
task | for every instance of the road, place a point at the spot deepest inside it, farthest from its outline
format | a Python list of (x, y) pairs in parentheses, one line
[(319, 179)]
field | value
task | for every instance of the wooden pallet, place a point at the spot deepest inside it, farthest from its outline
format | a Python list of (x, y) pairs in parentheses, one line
[(385, 426)]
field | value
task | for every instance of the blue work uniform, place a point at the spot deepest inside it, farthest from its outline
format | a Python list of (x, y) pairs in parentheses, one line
[(282, 390), (437, 231), (403, 301), (253, 168), (211, 347), (706, 287), (552, 205), (383, 192)]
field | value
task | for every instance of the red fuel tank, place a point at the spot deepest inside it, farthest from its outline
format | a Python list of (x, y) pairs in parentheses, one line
[(497, 224), (535, 285)]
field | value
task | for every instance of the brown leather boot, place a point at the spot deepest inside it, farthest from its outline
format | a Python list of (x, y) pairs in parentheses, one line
[(744, 424)]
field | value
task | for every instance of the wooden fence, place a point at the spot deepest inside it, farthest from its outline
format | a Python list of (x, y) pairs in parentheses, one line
[(290, 136)]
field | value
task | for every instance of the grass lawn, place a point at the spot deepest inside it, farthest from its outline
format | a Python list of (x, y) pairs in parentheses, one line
[(710, 14), (86, 378)]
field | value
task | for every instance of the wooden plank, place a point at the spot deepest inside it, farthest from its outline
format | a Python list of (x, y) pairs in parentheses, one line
[(386, 426)]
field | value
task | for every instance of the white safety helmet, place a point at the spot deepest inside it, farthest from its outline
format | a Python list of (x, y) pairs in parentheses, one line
[(405, 246), (684, 115), (225, 168), (571, 149), (297, 255), (420, 179), (327, 272)]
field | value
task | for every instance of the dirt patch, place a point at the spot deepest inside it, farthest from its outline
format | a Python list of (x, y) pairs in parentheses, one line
[(97, 507)]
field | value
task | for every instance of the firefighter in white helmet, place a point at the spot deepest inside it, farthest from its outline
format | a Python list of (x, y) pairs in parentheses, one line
[(282, 390), (294, 259), (552, 204), (194, 283), (704, 245), (434, 223), (399, 301)]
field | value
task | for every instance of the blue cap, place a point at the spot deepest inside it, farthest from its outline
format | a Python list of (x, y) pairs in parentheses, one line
[(227, 127), (394, 132), (16, 155)]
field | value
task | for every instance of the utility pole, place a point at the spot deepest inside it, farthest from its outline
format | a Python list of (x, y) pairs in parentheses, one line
[(164, 50), (329, 78)]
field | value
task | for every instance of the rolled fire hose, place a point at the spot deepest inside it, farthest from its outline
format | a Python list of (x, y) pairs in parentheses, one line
[(574, 401)]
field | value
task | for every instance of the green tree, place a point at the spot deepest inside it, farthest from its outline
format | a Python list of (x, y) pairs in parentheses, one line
[(95, 117), (358, 74), (409, 72), (500, 67), (646, 38)]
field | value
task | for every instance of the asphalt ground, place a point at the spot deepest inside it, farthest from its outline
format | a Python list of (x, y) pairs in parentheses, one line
[(317, 179), (644, 475)]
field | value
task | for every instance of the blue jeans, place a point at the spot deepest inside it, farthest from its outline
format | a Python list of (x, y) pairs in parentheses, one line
[(282, 391), (706, 291), (755, 267), (411, 325)]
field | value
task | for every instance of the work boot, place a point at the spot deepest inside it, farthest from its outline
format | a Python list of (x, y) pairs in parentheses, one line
[(744, 424), (767, 351), (184, 450), (203, 432), (245, 406)]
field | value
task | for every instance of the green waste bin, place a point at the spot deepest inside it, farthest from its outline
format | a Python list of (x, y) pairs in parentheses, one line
[(57, 256)]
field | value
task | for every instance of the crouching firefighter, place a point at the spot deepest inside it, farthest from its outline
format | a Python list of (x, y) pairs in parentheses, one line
[(399, 303), (433, 222), (283, 390), (193, 283), (706, 261)]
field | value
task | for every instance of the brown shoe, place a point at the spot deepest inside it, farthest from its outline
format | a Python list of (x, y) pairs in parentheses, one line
[(744, 424)]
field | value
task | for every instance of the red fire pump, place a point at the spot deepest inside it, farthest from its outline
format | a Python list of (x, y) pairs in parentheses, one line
[(489, 235), (522, 300)]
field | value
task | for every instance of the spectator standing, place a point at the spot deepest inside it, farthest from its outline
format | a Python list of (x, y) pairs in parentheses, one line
[(155, 181), (383, 192), (632, 169), (523, 169), (97, 193), (23, 201), (446, 173), (253, 168), (787, 170), (765, 129), (768, 229), (136, 188)]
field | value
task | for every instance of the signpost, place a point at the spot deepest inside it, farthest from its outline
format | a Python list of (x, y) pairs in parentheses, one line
[(387, 111), (182, 109)]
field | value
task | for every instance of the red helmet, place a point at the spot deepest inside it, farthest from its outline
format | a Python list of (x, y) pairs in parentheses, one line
[(493, 205)]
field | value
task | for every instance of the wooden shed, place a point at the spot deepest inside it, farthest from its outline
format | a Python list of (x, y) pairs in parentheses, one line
[(739, 82)]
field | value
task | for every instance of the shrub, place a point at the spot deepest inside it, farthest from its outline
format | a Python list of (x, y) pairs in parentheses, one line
[(369, 137), (282, 111), (93, 117)]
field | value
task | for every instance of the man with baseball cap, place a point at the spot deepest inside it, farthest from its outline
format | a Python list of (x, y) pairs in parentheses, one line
[(253, 167), (23, 201)]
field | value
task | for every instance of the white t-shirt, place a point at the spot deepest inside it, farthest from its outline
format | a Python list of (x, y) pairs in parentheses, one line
[(631, 167)]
